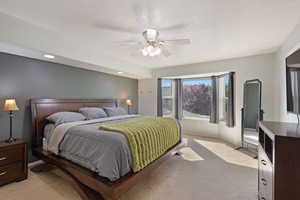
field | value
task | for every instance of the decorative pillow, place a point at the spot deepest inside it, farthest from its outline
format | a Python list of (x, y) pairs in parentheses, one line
[(93, 112), (114, 111), (64, 117)]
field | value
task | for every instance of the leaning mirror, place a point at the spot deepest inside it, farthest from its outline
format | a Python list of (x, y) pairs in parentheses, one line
[(251, 113)]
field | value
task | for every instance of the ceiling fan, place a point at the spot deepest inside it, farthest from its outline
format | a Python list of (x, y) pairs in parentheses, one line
[(153, 46)]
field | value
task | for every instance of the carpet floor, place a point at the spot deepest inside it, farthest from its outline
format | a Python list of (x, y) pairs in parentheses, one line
[(208, 169)]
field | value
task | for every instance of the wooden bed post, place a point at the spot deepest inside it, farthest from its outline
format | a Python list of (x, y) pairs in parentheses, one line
[(84, 192)]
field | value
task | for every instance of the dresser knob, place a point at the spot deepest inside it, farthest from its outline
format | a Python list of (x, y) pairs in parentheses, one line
[(3, 173), (3, 158), (264, 162), (264, 181)]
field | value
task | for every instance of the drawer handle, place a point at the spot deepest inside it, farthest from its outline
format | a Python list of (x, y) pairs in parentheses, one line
[(3, 173), (3, 158), (264, 181), (263, 198), (264, 162)]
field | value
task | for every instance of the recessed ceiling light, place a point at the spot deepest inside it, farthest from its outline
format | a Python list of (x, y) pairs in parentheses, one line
[(49, 56), (120, 72)]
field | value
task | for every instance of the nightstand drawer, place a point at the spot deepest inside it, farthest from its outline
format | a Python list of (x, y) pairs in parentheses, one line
[(11, 155), (12, 172)]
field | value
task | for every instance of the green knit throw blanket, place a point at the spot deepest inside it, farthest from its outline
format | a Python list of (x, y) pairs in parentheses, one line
[(148, 137)]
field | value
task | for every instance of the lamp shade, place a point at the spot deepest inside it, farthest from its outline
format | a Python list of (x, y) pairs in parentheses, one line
[(10, 105), (128, 102)]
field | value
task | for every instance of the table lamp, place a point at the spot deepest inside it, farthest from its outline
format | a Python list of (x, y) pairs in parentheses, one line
[(129, 103), (10, 105)]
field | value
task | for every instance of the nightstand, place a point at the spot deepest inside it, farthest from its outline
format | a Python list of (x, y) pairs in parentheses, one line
[(13, 162)]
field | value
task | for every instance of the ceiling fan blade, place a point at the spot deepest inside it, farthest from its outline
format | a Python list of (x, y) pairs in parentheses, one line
[(129, 43), (144, 15), (173, 27), (116, 28), (136, 53), (177, 41), (165, 51)]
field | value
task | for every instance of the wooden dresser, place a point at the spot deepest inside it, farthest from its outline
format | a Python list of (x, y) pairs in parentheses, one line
[(13, 161), (279, 161)]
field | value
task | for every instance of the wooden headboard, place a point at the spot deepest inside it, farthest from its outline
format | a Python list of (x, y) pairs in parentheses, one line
[(42, 108)]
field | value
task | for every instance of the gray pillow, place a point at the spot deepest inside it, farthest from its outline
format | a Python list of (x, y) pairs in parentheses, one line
[(93, 112), (64, 117), (114, 111)]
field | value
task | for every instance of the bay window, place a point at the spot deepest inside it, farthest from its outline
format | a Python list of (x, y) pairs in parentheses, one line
[(209, 97)]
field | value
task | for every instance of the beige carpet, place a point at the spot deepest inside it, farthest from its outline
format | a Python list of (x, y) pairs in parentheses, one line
[(207, 170)]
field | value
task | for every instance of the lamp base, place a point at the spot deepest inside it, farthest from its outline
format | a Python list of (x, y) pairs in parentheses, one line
[(10, 140)]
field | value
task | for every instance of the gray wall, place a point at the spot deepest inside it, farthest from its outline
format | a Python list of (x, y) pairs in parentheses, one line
[(25, 78)]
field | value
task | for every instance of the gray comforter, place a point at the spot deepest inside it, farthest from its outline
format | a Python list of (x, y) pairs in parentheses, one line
[(106, 153)]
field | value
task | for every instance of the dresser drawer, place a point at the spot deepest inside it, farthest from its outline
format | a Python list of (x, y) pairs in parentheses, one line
[(265, 176), (262, 195), (11, 172), (11, 155), (268, 183), (266, 189), (263, 161)]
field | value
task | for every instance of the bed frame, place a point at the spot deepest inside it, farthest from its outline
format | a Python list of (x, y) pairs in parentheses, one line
[(88, 184)]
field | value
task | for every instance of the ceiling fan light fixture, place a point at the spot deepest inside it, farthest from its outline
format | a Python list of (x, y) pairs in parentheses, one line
[(158, 51), (151, 51), (151, 34), (149, 48), (144, 52)]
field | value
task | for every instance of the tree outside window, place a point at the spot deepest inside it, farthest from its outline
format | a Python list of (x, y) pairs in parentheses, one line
[(196, 97)]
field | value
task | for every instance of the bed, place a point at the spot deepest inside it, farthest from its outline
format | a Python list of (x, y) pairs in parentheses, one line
[(83, 176)]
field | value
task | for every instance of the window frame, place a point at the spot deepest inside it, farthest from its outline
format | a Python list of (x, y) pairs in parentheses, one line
[(223, 98), (172, 97)]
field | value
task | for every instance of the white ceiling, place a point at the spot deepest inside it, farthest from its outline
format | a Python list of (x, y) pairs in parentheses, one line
[(82, 30)]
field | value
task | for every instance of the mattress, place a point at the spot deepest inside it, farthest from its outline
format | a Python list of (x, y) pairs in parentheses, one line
[(104, 152)]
